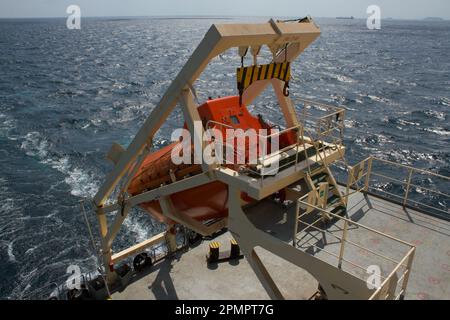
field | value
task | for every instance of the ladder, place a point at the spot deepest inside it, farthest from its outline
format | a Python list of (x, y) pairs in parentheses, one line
[(327, 191)]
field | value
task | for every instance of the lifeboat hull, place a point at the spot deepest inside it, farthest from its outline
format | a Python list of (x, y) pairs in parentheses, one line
[(205, 202)]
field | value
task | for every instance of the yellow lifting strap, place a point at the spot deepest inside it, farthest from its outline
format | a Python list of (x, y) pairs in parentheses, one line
[(246, 76)]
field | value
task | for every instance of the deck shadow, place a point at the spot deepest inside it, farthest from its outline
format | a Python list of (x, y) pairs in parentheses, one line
[(163, 287)]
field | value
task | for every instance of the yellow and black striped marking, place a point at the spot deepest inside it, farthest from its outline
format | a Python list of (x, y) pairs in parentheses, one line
[(214, 245), (246, 76)]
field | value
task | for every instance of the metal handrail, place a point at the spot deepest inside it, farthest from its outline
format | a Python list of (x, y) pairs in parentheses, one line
[(157, 253), (334, 122), (412, 168), (262, 159), (405, 275), (404, 264), (407, 184)]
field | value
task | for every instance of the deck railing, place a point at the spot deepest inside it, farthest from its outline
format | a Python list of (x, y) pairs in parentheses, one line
[(324, 125), (310, 226), (58, 289), (260, 168), (325, 122), (368, 177), (321, 127)]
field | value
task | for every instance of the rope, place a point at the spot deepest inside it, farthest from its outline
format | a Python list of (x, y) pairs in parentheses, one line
[(88, 225), (91, 235)]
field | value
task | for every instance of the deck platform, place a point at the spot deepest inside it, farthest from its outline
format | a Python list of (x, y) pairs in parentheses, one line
[(188, 276)]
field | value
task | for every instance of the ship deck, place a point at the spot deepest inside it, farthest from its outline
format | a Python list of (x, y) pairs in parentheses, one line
[(188, 276)]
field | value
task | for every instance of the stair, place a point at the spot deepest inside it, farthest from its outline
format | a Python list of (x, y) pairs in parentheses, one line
[(314, 168), (335, 202), (319, 178), (340, 211)]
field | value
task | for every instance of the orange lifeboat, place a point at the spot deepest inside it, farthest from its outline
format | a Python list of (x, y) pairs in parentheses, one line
[(208, 201)]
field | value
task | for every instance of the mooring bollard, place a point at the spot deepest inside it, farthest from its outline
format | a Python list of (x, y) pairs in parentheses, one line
[(214, 252), (235, 250)]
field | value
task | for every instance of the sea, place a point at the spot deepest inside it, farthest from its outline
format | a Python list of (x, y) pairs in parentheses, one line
[(67, 95)]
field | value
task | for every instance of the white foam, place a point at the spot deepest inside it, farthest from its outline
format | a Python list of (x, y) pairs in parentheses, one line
[(7, 206), (134, 226), (408, 123), (378, 99), (339, 77), (344, 79), (445, 101), (11, 256), (350, 123), (6, 125), (31, 250), (436, 114), (439, 131), (393, 82), (82, 184), (34, 145)]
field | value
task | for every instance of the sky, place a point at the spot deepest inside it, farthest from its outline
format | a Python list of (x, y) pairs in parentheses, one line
[(402, 9)]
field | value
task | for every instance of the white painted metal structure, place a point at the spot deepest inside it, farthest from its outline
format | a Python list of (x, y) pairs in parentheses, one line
[(286, 40)]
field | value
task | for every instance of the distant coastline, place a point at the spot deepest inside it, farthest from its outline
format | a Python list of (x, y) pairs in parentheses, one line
[(436, 19)]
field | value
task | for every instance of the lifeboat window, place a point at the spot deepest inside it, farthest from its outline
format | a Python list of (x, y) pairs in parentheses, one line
[(234, 120)]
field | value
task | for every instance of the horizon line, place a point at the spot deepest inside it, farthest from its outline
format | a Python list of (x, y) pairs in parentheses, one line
[(216, 17)]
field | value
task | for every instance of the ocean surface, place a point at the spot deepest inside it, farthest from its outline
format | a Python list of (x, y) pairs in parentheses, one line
[(67, 95)]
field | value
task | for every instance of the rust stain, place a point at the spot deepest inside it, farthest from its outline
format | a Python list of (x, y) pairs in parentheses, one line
[(422, 296), (434, 281)]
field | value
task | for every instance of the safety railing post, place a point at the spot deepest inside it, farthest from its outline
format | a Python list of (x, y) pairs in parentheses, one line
[(305, 150), (297, 150), (297, 210), (407, 272), (343, 240), (408, 187), (347, 188), (368, 174), (264, 152)]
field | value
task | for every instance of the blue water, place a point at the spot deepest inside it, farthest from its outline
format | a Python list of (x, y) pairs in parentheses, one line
[(66, 95)]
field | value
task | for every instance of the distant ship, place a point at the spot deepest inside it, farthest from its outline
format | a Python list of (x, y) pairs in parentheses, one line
[(346, 18)]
